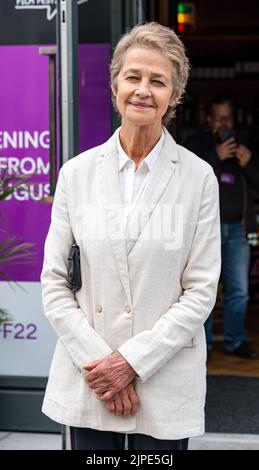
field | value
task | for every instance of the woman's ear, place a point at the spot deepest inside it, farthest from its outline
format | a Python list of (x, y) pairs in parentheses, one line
[(113, 91)]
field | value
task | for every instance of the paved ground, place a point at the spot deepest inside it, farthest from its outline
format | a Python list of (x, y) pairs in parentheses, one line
[(210, 441)]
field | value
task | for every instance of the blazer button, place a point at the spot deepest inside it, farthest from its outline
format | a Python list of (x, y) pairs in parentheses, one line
[(128, 309), (99, 309)]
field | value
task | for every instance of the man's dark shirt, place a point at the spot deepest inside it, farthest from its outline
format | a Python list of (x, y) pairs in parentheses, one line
[(236, 183)]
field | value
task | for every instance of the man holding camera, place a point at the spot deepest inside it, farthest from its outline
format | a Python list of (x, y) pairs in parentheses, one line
[(233, 159)]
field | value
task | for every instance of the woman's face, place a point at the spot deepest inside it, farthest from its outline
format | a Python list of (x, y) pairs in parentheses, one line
[(144, 86)]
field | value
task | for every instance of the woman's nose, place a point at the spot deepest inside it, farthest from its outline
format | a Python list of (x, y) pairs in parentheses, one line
[(143, 89)]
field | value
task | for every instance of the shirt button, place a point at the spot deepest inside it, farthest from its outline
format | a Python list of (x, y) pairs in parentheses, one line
[(128, 309), (99, 309)]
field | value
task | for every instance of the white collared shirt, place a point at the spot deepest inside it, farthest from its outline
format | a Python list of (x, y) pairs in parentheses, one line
[(133, 181)]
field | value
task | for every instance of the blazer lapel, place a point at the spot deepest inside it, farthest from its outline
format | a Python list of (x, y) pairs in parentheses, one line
[(161, 173), (113, 205), (108, 175)]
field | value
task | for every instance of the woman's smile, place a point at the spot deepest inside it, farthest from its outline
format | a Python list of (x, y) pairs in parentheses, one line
[(140, 105)]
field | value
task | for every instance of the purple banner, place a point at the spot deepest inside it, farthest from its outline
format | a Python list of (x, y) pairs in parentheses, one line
[(95, 111), (24, 137)]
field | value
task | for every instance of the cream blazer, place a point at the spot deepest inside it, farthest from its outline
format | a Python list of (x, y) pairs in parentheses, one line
[(146, 289)]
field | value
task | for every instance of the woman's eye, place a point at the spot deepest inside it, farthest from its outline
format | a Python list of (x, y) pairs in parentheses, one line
[(132, 78), (157, 82)]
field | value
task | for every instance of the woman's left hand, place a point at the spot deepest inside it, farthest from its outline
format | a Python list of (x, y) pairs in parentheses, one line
[(109, 376)]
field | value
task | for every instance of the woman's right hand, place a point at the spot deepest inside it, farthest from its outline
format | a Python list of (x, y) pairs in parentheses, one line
[(125, 403)]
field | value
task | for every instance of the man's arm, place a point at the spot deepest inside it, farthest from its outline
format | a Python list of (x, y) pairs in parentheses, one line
[(249, 169), (208, 153)]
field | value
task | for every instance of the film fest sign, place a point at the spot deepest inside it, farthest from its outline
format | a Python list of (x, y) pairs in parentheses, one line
[(49, 6), (27, 341)]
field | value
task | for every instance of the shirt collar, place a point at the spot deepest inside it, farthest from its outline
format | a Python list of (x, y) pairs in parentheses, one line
[(149, 160)]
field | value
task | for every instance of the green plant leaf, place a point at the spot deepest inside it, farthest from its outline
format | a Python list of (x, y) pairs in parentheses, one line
[(5, 315)]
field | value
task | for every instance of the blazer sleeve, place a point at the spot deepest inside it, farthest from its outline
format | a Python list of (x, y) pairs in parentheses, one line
[(149, 350), (81, 341)]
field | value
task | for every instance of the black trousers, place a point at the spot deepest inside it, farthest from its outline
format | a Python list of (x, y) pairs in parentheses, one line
[(92, 439)]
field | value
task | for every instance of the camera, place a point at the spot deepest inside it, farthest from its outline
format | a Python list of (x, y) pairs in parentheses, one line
[(225, 134)]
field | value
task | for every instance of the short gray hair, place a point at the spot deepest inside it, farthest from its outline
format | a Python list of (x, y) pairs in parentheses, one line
[(154, 35)]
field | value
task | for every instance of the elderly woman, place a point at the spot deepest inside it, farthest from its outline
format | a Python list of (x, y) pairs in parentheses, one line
[(131, 351)]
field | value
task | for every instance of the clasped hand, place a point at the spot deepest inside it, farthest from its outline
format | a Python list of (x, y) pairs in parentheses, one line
[(111, 378)]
